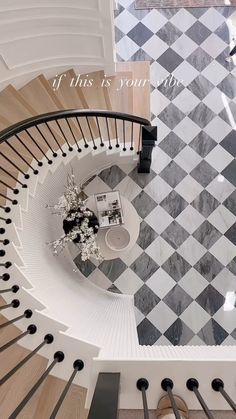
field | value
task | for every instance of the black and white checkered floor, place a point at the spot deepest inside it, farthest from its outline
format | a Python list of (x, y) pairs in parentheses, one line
[(182, 271)]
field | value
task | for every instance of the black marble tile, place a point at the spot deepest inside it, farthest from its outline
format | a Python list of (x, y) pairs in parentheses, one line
[(199, 59), (175, 234), (177, 299), (200, 86), (141, 55), (174, 204), (142, 179), (173, 174), (146, 235), (232, 266), (208, 266), (145, 299), (228, 86), (172, 144), (231, 234), (118, 34), (169, 13), (144, 266), (203, 144), (201, 115), (230, 172), (176, 266), (140, 34), (112, 176), (112, 268), (230, 202), (198, 32), (207, 234), (229, 143), (197, 12), (212, 333), (143, 204), (205, 203), (170, 88), (233, 334), (86, 267), (178, 333), (223, 32), (228, 114), (169, 33), (210, 300), (221, 59), (147, 333), (204, 173), (170, 60), (171, 116)]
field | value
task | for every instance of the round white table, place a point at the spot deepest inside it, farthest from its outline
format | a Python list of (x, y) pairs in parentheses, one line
[(131, 224)]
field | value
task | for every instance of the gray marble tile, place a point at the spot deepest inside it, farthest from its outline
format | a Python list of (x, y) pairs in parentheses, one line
[(208, 266), (118, 34), (142, 179), (177, 299), (169, 33), (221, 59), (171, 116), (228, 114), (145, 299), (172, 144), (138, 13), (210, 300), (212, 333), (198, 32), (174, 204), (143, 204), (169, 90), (203, 144), (169, 13), (147, 333), (228, 86), (141, 55), (178, 333), (197, 12), (230, 172), (170, 60), (144, 266), (207, 234), (202, 115), (176, 266), (173, 174), (85, 267), (205, 203), (230, 202), (226, 11), (223, 32), (204, 173), (229, 143), (146, 235), (140, 34), (175, 235), (112, 176), (233, 334), (114, 289), (199, 59), (200, 86), (232, 266), (231, 234), (112, 268)]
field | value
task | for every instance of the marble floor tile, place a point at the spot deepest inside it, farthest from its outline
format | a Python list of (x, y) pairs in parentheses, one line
[(146, 235), (176, 266), (175, 234), (210, 299), (178, 333), (173, 174), (198, 32), (203, 144), (195, 317), (174, 204), (145, 299), (205, 203), (204, 173), (207, 234), (193, 283), (112, 269), (208, 266), (147, 333), (212, 333), (144, 266), (143, 204)]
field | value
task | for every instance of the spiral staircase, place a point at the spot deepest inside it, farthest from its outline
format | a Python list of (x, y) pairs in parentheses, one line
[(60, 331)]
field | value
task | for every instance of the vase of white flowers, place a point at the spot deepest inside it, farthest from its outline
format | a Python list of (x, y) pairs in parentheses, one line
[(80, 225)]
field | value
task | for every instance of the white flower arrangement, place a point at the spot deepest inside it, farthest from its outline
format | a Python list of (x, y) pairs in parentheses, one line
[(71, 206)]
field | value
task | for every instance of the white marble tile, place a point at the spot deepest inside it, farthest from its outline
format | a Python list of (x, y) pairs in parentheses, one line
[(195, 317), (224, 282), (220, 188), (215, 72), (138, 315), (158, 189), (217, 129), (191, 250), (157, 73), (196, 341), (159, 250), (163, 130), (193, 283), (213, 45), (132, 255), (159, 219), (96, 186), (190, 219), (155, 47), (159, 160), (219, 158), (128, 188), (183, 20), (212, 19), (99, 279), (128, 282), (189, 188), (162, 341), (154, 20), (158, 102), (184, 46), (223, 250), (126, 21), (160, 283), (222, 218), (226, 319), (162, 317), (126, 48), (187, 159), (187, 130), (185, 72), (215, 100), (186, 101)]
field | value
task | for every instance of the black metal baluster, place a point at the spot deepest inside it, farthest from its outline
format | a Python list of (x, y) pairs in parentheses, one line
[(82, 132), (218, 385), (29, 151), (27, 314), (132, 137), (55, 139), (13, 201), (23, 185), (13, 303), (6, 264), (142, 385), (31, 330), (18, 154), (13, 289), (15, 191), (124, 136), (78, 366), (91, 134), (47, 340), (58, 357), (192, 385), (73, 135), (99, 131), (2, 230), (54, 154), (108, 135), (167, 385), (64, 136), (5, 277), (7, 220), (5, 242), (5, 209), (38, 146), (14, 165), (117, 139)]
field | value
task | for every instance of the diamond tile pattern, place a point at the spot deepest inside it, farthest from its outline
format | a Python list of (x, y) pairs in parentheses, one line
[(194, 107)]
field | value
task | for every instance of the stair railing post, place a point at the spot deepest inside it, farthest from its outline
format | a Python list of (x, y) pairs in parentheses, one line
[(192, 385), (142, 385), (149, 137), (218, 385)]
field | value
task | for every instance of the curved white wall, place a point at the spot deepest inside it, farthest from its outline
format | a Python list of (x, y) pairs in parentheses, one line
[(39, 36)]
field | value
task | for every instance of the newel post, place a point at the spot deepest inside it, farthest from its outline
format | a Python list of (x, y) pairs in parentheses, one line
[(149, 136)]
